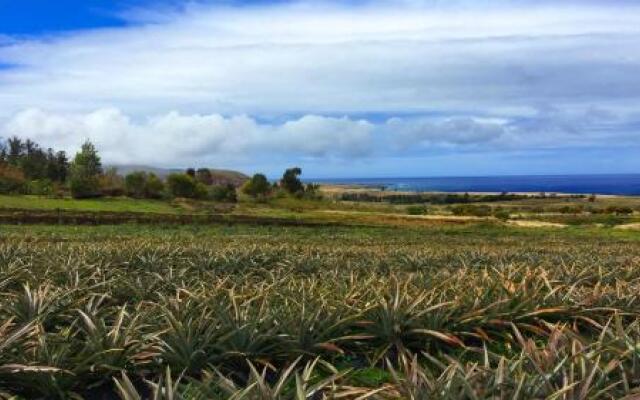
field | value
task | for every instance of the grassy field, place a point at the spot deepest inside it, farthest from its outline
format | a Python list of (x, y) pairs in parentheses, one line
[(474, 311), (120, 204)]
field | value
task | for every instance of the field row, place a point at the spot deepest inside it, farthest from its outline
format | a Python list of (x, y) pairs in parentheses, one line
[(266, 313)]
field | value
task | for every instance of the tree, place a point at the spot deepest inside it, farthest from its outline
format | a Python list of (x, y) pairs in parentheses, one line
[(191, 172), (154, 187), (134, 184), (57, 166), (85, 171), (257, 186), (226, 193), (181, 185), (290, 181), (16, 147)]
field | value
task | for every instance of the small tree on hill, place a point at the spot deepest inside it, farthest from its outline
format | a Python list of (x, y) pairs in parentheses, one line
[(290, 181), (257, 186)]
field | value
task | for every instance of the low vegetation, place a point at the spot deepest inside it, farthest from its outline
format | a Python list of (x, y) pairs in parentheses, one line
[(477, 312)]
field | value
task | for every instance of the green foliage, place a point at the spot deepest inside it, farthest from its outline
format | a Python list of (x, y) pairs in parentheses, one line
[(84, 187), (501, 214), (112, 184), (270, 313), (291, 182), (184, 185), (135, 183), (417, 210), (12, 179), (154, 187), (85, 171), (471, 210), (224, 193), (43, 187), (26, 168), (201, 191), (258, 186), (140, 184)]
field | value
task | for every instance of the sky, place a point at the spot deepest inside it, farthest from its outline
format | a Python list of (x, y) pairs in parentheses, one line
[(385, 88)]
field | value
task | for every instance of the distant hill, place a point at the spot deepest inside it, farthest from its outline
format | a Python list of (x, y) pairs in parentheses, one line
[(220, 176)]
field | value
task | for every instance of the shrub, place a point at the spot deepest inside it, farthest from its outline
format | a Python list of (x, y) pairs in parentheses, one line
[(11, 179), (85, 187), (181, 185), (226, 193), (42, 187), (417, 210), (111, 184), (201, 191), (154, 187), (135, 184), (471, 210), (618, 210), (257, 186), (502, 214)]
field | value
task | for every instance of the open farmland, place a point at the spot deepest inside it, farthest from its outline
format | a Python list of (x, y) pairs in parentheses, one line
[(445, 312)]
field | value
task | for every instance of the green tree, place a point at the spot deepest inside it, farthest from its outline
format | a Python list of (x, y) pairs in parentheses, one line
[(226, 193), (290, 181), (182, 185), (135, 183), (85, 172), (154, 187), (257, 186)]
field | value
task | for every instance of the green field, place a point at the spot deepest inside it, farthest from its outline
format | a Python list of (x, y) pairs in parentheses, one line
[(118, 204), (479, 310)]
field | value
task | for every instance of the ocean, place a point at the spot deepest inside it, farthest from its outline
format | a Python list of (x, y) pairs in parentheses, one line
[(615, 184)]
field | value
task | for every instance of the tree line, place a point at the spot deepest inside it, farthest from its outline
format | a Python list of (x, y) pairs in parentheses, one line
[(26, 168)]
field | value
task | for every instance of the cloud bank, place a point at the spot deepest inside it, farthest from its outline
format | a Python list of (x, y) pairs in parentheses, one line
[(322, 81)]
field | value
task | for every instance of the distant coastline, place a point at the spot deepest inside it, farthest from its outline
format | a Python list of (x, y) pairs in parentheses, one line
[(602, 184)]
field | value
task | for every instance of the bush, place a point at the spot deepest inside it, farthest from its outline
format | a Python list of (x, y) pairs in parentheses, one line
[(471, 210), (417, 210), (111, 184), (618, 210), (225, 193), (85, 187), (43, 187), (182, 185), (11, 179), (154, 187), (502, 215), (140, 184), (257, 186), (201, 191), (135, 184)]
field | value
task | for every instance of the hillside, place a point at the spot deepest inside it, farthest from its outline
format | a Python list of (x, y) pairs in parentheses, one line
[(221, 176)]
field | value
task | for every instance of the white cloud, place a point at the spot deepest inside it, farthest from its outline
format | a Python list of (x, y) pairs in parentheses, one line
[(492, 74), (176, 139), (303, 58)]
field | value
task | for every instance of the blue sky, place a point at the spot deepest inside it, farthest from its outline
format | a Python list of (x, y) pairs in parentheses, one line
[(359, 88)]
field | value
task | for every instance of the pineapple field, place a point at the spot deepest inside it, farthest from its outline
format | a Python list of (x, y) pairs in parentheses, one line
[(475, 311)]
